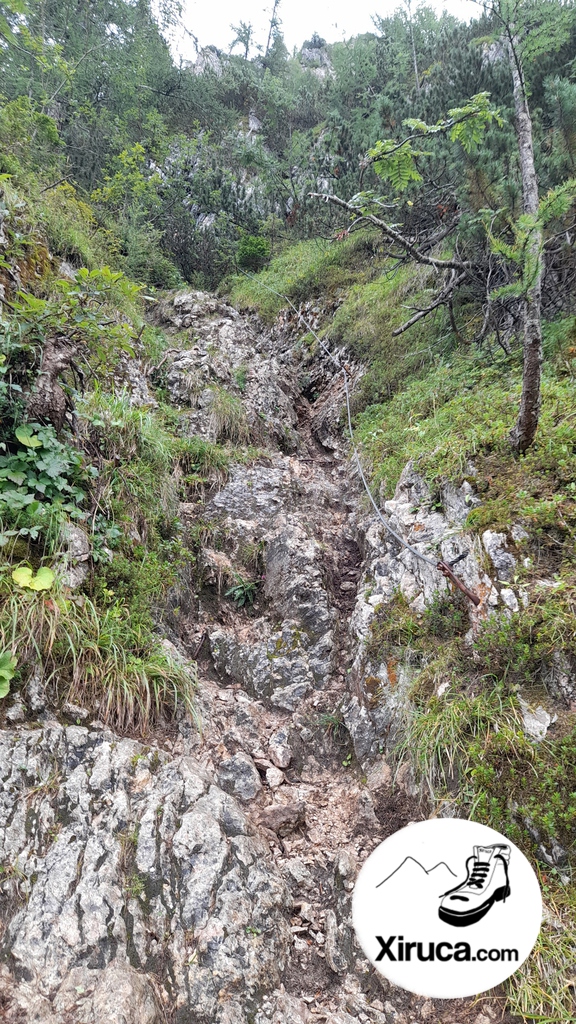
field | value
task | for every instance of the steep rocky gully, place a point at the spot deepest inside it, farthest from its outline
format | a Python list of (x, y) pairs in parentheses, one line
[(206, 875)]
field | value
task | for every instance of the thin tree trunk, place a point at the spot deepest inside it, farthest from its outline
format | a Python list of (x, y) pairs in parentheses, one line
[(523, 433), (415, 61), (273, 25)]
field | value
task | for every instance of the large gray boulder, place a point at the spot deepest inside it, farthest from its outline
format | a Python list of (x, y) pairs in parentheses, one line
[(131, 882)]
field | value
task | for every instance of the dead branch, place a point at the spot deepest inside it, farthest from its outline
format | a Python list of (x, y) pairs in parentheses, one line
[(396, 236), (442, 300)]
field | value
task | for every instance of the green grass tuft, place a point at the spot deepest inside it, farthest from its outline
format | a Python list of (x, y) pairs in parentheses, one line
[(227, 417), (306, 270), (94, 656)]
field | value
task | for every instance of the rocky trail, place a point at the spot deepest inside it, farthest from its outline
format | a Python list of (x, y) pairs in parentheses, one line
[(206, 876)]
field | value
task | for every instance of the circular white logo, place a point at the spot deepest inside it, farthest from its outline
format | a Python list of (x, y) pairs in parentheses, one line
[(447, 908)]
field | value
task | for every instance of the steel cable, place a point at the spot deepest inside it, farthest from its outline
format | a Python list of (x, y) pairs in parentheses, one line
[(440, 565)]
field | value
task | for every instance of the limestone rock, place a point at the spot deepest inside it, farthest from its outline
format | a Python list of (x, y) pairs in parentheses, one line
[(519, 534), (274, 777), (336, 955), (375, 723), (496, 547), (535, 721), (239, 776), (509, 599), (17, 713), (298, 873), (36, 692), (230, 353), (560, 677), (131, 866), (283, 818), (279, 748), (284, 667), (74, 566)]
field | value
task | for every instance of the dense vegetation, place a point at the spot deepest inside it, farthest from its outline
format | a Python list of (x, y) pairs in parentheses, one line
[(122, 174)]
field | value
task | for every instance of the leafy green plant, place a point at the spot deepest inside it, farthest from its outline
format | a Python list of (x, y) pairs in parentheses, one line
[(7, 672), (40, 476), (105, 539), (243, 591), (43, 471), (135, 886), (26, 578), (253, 252)]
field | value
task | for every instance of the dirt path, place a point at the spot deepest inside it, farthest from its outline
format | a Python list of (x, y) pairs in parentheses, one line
[(333, 812)]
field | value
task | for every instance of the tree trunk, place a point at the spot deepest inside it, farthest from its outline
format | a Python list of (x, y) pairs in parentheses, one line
[(414, 59), (273, 25), (523, 433)]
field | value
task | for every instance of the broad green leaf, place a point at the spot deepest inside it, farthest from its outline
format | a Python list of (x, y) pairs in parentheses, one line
[(22, 576), (7, 671), (43, 579), (26, 437)]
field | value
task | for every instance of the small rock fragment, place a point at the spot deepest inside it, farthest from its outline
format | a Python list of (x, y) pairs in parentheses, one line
[(282, 818), (518, 534), (274, 777), (346, 864), (280, 751), (75, 711), (239, 776), (17, 713), (289, 698), (495, 545), (509, 599), (335, 956), (36, 692), (536, 722), (298, 872)]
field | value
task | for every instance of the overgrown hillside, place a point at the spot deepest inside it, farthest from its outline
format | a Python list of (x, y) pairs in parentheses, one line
[(448, 413), (175, 480)]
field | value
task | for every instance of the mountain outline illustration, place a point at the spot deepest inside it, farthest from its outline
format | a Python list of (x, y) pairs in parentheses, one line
[(427, 871)]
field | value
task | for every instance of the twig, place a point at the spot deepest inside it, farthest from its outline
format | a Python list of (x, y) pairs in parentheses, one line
[(200, 645), (55, 183)]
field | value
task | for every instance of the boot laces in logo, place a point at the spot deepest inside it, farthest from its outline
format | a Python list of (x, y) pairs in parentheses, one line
[(447, 908)]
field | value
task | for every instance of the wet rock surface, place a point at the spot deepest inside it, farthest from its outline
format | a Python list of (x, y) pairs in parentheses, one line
[(208, 875)]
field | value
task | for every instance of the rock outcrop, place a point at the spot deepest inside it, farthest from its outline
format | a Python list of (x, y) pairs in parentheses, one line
[(207, 877), (132, 883)]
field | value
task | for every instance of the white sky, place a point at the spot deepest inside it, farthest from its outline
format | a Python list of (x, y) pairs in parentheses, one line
[(210, 20)]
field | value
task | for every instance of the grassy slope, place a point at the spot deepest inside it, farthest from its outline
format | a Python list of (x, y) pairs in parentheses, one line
[(450, 409), (119, 477)]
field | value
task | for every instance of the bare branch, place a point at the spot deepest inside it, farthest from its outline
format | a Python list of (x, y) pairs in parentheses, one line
[(405, 243), (444, 298)]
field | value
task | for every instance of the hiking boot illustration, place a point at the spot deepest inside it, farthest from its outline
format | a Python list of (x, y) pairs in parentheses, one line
[(487, 882)]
